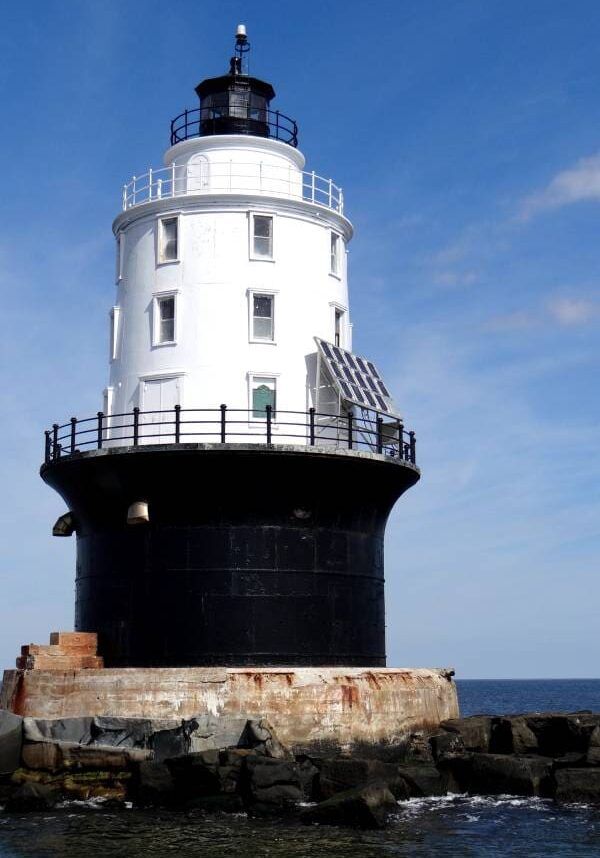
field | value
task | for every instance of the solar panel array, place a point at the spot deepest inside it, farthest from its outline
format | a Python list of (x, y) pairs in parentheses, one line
[(357, 378)]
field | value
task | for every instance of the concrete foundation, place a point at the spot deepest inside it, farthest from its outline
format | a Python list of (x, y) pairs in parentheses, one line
[(343, 708)]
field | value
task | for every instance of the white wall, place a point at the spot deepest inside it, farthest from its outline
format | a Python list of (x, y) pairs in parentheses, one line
[(212, 281)]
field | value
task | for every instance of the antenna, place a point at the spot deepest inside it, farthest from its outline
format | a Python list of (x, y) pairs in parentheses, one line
[(239, 63)]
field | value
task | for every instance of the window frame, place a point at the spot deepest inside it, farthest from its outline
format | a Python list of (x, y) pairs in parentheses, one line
[(267, 293), (115, 320), (160, 239), (344, 325), (120, 252), (156, 319), (253, 378), (251, 235), (335, 239)]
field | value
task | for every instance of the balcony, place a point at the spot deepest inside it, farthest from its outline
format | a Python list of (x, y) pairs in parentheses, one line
[(240, 118), (231, 177), (367, 432)]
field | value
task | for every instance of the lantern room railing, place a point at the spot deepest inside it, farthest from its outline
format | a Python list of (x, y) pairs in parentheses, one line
[(367, 431), (241, 119), (230, 177)]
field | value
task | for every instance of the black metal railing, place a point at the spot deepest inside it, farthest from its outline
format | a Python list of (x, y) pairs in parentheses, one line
[(203, 121), (364, 431)]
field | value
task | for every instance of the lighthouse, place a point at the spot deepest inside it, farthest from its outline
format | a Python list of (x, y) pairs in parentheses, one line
[(229, 499)]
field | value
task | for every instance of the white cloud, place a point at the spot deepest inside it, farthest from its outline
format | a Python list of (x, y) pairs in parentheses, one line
[(571, 311), (580, 182)]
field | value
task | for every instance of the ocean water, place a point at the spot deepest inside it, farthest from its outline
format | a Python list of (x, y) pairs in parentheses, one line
[(452, 826)]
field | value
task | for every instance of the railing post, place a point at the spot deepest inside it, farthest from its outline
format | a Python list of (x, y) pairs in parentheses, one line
[(186, 124), (277, 125), (173, 179), (47, 446), (401, 439), (379, 433), (311, 413), (268, 409), (133, 190), (150, 184), (177, 423), (136, 426), (350, 429), (223, 418), (330, 192), (341, 202), (100, 419), (413, 447), (159, 189), (55, 440), (73, 433), (124, 197), (313, 186)]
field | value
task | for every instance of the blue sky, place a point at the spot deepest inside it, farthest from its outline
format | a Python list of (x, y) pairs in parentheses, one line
[(466, 136)]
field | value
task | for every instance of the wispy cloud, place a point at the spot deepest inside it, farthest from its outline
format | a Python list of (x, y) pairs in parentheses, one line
[(572, 311), (577, 183), (560, 310)]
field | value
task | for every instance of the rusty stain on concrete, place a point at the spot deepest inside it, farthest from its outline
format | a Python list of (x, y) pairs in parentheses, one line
[(305, 705)]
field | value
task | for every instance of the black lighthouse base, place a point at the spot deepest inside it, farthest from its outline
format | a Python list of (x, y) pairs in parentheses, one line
[(253, 554)]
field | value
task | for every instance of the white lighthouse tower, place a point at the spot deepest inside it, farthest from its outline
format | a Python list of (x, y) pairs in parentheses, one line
[(231, 260), (231, 497)]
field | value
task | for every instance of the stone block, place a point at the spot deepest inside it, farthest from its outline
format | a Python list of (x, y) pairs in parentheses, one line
[(512, 736), (212, 732), (55, 756), (495, 774), (578, 785), (122, 732), (266, 772), (475, 731), (44, 661), (42, 755), (154, 784), (342, 773), (363, 807), (11, 740), (31, 797), (274, 799), (78, 730), (260, 736), (559, 734), (420, 781), (195, 774), (447, 745), (74, 639)]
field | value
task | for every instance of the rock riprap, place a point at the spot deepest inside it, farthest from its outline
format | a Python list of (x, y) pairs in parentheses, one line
[(233, 764)]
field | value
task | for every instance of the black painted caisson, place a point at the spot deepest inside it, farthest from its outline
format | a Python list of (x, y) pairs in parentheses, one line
[(252, 555)]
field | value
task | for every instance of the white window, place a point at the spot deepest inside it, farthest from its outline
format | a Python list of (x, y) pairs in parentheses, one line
[(168, 239), (262, 393), (164, 319), (262, 321), (114, 332), (337, 334), (119, 259), (335, 254), (261, 236)]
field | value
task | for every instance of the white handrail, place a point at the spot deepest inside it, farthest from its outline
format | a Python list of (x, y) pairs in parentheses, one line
[(232, 177)]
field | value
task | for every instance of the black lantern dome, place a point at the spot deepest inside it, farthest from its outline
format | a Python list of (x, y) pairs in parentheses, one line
[(235, 103)]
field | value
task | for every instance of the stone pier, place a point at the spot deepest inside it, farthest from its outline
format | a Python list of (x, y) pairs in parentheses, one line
[(310, 708)]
